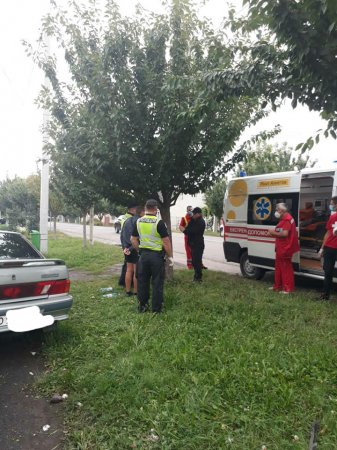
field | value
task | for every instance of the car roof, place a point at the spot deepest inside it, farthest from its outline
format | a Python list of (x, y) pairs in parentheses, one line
[(9, 232)]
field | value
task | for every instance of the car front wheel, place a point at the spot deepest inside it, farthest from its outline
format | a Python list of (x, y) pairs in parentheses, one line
[(249, 271)]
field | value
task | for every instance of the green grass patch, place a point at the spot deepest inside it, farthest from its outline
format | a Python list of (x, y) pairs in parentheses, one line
[(228, 365), (93, 258)]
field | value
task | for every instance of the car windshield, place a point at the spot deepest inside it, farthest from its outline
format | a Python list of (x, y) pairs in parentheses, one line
[(13, 246)]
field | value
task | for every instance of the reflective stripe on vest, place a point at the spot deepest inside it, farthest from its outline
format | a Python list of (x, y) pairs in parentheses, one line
[(148, 235)]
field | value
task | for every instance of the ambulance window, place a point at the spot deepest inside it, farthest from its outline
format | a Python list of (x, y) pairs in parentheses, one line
[(261, 208)]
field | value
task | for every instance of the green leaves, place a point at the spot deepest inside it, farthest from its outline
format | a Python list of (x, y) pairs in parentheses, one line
[(137, 119), (265, 158), (19, 200)]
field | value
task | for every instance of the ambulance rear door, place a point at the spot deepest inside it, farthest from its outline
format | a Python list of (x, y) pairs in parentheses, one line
[(316, 190)]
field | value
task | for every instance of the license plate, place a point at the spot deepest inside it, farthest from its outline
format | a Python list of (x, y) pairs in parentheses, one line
[(3, 321)]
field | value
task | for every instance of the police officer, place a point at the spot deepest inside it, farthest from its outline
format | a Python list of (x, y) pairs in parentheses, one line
[(151, 238)]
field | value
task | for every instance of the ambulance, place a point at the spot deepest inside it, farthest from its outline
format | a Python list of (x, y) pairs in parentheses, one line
[(249, 208)]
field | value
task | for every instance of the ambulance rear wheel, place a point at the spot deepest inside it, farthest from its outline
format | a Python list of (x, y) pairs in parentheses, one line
[(249, 271)]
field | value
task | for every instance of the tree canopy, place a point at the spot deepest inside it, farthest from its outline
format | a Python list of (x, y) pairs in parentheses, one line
[(268, 158), (19, 201), (214, 198), (136, 119), (285, 49)]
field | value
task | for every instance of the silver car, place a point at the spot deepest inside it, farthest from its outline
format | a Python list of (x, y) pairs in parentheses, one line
[(28, 279)]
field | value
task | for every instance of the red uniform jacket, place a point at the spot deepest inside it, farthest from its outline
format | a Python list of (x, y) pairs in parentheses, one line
[(331, 240), (285, 247), (185, 220)]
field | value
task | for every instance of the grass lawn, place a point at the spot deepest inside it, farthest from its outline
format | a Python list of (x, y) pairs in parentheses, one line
[(94, 258), (228, 365)]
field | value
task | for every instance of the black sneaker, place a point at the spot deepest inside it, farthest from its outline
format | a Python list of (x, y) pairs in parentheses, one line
[(323, 298), (129, 294), (142, 309)]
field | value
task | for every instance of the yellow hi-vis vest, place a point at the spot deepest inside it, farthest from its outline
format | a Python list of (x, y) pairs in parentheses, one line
[(125, 218), (149, 237)]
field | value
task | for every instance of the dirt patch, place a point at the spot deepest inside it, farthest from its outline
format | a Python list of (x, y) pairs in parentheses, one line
[(82, 275), (22, 413)]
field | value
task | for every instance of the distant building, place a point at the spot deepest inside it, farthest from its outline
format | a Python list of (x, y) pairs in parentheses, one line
[(179, 209)]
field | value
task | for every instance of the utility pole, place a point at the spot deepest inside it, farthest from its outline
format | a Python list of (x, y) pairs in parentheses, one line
[(44, 191), (44, 203)]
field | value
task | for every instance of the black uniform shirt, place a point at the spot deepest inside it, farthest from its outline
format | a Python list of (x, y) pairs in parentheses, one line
[(195, 231)]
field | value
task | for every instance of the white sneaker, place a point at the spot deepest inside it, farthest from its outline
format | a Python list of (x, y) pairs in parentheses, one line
[(285, 292)]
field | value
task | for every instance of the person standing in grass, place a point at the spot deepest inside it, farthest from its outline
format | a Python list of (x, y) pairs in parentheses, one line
[(150, 236), (286, 244), (131, 212), (329, 250), (183, 224), (131, 255), (195, 235)]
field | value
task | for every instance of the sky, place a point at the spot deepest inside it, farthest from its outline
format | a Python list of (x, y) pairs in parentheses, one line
[(20, 82)]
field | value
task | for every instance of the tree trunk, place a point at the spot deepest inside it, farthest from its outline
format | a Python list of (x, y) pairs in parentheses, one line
[(92, 225), (84, 244), (215, 224), (54, 224), (165, 215)]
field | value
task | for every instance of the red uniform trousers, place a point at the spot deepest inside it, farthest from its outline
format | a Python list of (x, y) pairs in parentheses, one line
[(188, 253), (284, 274)]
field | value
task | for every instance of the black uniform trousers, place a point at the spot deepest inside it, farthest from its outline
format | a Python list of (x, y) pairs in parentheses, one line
[(197, 250), (330, 257), (151, 268)]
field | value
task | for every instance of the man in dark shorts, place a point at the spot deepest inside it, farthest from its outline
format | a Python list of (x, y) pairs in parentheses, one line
[(131, 212), (151, 237), (131, 255)]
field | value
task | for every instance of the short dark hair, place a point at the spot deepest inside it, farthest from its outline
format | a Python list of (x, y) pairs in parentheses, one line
[(132, 205), (151, 204), (139, 210), (334, 199), (197, 210)]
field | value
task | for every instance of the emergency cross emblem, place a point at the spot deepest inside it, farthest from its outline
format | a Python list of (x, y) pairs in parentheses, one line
[(262, 208)]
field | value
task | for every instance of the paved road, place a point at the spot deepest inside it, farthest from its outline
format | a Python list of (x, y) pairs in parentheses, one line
[(213, 255)]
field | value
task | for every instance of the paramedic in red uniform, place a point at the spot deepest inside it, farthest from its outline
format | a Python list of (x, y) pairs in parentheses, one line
[(183, 224), (329, 250), (286, 244)]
